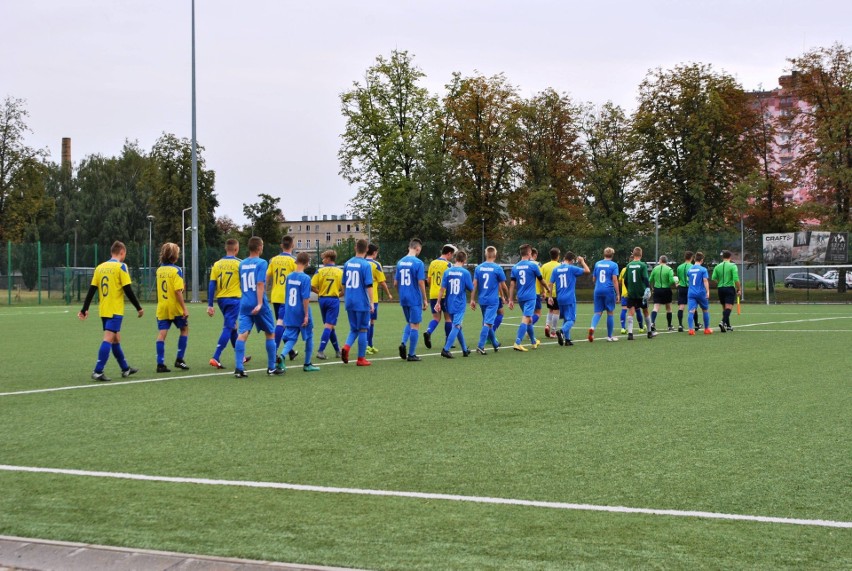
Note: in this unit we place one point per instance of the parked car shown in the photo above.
(833, 276)
(808, 280)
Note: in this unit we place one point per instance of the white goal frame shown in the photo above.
(799, 268)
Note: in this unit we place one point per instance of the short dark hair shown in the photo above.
(534, 251)
(726, 254)
(117, 247)
(415, 243)
(255, 244)
(372, 249)
(525, 250)
(688, 255)
(286, 242)
(329, 255)
(447, 250)
(570, 256)
(232, 243)
(303, 258)
(361, 246)
(699, 257)
(461, 256)
(554, 253)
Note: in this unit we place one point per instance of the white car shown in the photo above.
(833, 275)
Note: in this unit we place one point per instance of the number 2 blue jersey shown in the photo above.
(488, 277)
(565, 279)
(457, 283)
(357, 275)
(252, 272)
(526, 274)
(409, 271)
(696, 276)
(297, 290)
(603, 274)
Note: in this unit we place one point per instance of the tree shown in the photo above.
(389, 131)
(20, 172)
(610, 170)
(266, 218)
(824, 82)
(481, 118)
(547, 201)
(691, 127)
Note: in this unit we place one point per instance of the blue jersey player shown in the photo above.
(607, 293)
(358, 298)
(699, 293)
(410, 282)
(489, 280)
(525, 275)
(564, 280)
(455, 284)
(297, 312)
(255, 310)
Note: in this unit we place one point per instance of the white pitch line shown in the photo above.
(430, 496)
(4, 314)
(798, 330)
(794, 321)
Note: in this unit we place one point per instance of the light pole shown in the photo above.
(656, 235)
(76, 225)
(183, 239)
(195, 298)
(483, 238)
(150, 244)
(742, 256)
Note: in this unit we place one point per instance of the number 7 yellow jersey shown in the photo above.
(327, 281)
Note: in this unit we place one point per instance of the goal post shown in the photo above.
(808, 284)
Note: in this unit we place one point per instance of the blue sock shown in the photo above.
(406, 333)
(240, 353)
(639, 318)
(689, 320)
(350, 339)
(362, 344)
(566, 329)
(448, 326)
(370, 334)
(161, 352)
(522, 330)
(326, 335)
(224, 337)
(182, 341)
(706, 319)
(413, 337)
(595, 319)
(103, 355)
(493, 337)
(483, 335)
(535, 318)
(309, 349)
(288, 346)
(270, 353)
(623, 315)
(497, 321)
(451, 338)
(530, 333)
(279, 333)
(653, 317)
(333, 339)
(234, 336)
(460, 337)
(431, 327)
(610, 325)
(119, 356)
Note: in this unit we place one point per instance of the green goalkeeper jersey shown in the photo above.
(662, 277)
(726, 275)
(636, 278)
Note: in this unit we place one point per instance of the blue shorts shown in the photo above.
(568, 311)
(230, 308)
(432, 303)
(695, 301)
(458, 318)
(292, 333)
(374, 314)
(112, 323)
(358, 320)
(263, 321)
(489, 313)
(413, 314)
(623, 301)
(329, 309)
(604, 302)
(179, 322)
(528, 307)
(538, 302)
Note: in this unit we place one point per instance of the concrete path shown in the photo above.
(19, 553)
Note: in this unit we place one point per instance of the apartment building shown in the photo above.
(325, 231)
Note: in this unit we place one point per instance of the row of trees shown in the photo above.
(698, 152)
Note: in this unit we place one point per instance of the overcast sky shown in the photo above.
(269, 73)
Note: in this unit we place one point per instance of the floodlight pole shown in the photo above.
(742, 256)
(195, 298)
(150, 243)
(76, 225)
(656, 235)
(183, 238)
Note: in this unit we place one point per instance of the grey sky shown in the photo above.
(269, 73)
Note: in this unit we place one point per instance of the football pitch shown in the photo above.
(723, 451)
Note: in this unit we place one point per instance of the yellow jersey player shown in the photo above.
(111, 282)
(171, 308)
(379, 280)
(326, 283)
(224, 288)
(280, 267)
(552, 322)
(434, 275)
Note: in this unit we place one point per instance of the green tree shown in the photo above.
(609, 177)
(265, 220)
(825, 84)
(384, 150)
(481, 115)
(691, 127)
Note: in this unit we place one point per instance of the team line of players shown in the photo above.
(243, 290)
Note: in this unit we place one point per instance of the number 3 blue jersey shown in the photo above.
(357, 276)
(409, 271)
(488, 277)
(526, 274)
(457, 283)
(252, 272)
